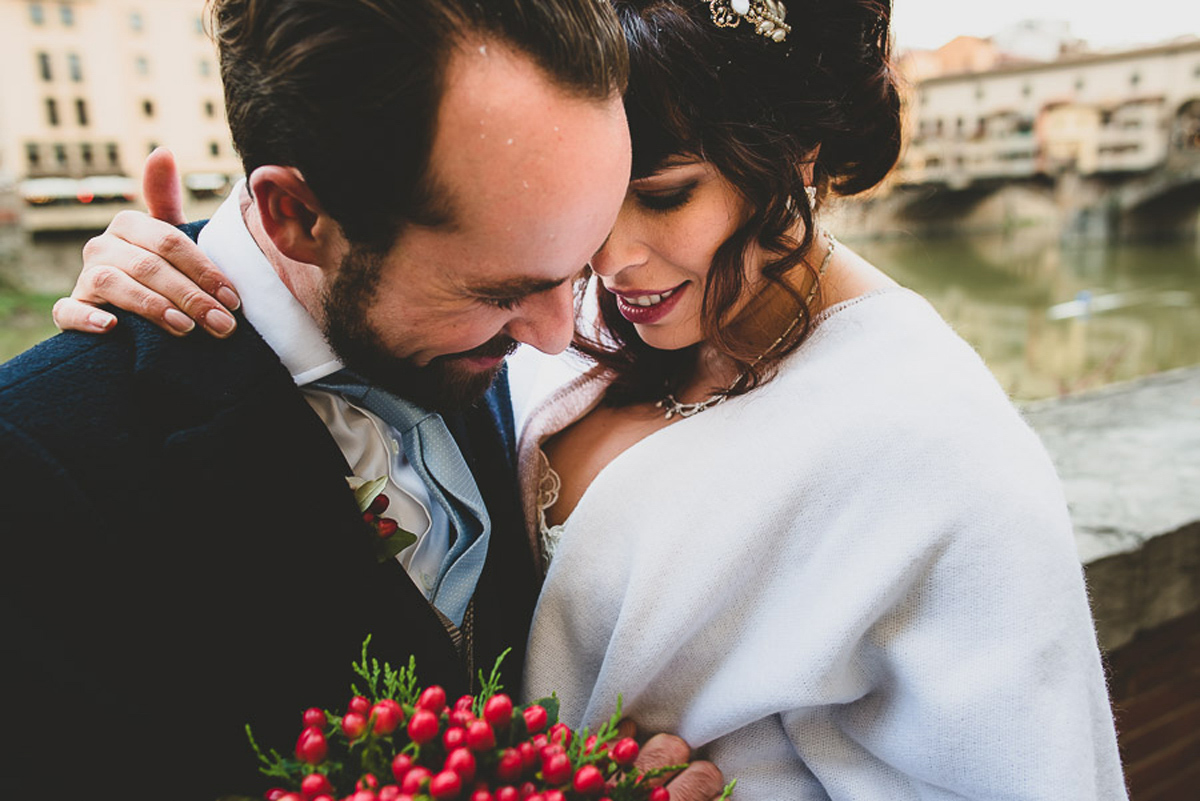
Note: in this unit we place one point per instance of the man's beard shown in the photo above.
(446, 383)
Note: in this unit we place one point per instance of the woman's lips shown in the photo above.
(647, 308)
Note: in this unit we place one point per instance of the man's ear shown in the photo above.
(292, 217)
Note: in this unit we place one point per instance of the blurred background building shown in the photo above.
(90, 87)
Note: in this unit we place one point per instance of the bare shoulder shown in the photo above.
(851, 276)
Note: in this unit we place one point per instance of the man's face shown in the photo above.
(534, 179)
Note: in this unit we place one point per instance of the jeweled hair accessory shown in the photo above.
(767, 16)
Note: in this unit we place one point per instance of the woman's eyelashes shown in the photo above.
(666, 199)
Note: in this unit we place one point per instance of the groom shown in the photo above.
(183, 555)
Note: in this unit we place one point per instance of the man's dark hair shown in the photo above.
(347, 91)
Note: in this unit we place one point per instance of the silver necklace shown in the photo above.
(672, 407)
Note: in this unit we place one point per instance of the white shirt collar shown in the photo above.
(268, 305)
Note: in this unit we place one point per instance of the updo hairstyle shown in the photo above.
(759, 111)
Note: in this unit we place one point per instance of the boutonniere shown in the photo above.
(372, 503)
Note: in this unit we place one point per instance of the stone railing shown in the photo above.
(1129, 458)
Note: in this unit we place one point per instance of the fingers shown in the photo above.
(104, 284)
(161, 189)
(149, 267)
(662, 750)
(699, 781)
(75, 315)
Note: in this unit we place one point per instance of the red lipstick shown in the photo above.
(648, 315)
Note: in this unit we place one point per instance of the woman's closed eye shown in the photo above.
(666, 199)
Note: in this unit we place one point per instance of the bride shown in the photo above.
(787, 512)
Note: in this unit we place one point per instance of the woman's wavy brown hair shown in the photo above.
(761, 112)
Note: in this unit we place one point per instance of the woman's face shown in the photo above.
(656, 260)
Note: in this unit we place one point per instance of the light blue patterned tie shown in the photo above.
(436, 457)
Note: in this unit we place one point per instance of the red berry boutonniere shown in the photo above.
(372, 503)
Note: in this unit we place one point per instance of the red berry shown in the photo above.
(275, 793)
(535, 718)
(560, 733)
(360, 705)
(422, 726)
(465, 703)
(389, 792)
(433, 699)
(291, 797)
(461, 718)
(480, 736)
(482, 795)
(322, 797)
(527, 789)
(364, 795)
(388, 716)
(314, 717)
(624, 751)
(315, 784)
(588, 780)
(547, 751)
(401, 765)
(660, 794)
(540, 740)
(354, 725)
(529, 754)
(368, 517)
(557, 769)
(446, 784)
(311, 747)
(498, 710)
(554, 795)
(534, 797)
(414, 779)
(367, 782)
(462, 762)
(379, 504)
(387, 527)
(507, 794)
(455, 737)
(510, 766)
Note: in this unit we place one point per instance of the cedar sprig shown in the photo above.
(491, 685)
(400, 685)
(274, 765)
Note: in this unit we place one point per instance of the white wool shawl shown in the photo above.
(858, 581)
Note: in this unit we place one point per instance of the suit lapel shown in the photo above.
(279, 511)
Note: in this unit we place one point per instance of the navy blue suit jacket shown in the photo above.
(181, 556)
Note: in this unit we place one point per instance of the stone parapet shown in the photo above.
(1129, 458)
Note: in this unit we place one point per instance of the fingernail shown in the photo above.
(101, 320)
(218, 322)
(179, 321)
(229, 298)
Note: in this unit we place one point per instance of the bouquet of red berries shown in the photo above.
(397, 742)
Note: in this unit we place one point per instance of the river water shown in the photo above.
(1048, 319)
(1052, 319)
